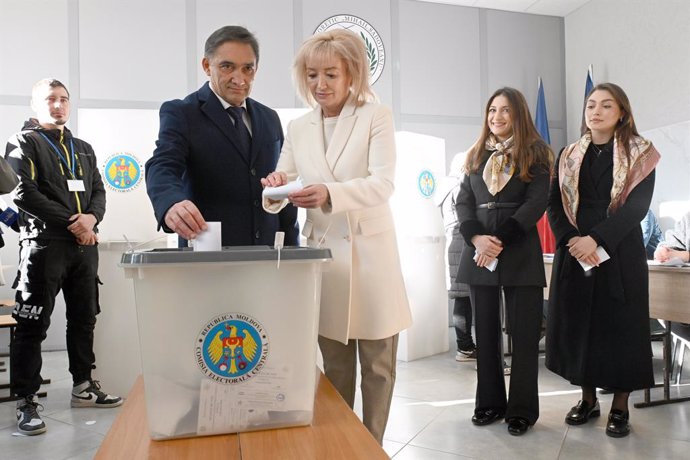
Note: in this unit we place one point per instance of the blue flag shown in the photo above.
(541, 120)
(589, 84)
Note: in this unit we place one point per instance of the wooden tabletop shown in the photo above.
(336, 433)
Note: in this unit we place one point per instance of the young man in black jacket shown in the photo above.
(61, 199)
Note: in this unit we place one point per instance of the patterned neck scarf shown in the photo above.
(627, 173)
(500, 167)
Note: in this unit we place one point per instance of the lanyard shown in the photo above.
(61, 156)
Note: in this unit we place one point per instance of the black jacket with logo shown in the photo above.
(43, 197)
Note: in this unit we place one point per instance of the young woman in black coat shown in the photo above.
(597, 335)
(501, 198)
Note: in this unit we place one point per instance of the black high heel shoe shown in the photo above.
(581, 413)
(618, 425)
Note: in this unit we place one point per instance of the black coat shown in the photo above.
(198, 158)
(598, 322)
(521, 261)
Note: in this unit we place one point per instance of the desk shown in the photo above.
(669, 300)
(336, 433)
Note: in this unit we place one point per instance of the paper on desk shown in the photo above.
(672, 262)
(603, 257)
(492, 266)
(281, 192)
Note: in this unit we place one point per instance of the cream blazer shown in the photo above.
(363, 294)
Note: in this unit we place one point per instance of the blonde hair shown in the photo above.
(338, 43)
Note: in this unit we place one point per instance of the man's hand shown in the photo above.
(82, 224)
(185, 219)
(87, 239)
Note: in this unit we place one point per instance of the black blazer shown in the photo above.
(197, 158)
(521, 261)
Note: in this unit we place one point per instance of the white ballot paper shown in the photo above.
(492, 266)
(281, 193)
(603, 256)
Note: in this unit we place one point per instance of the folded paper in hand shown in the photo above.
(603, 257)
(492, 266)
(280, 193)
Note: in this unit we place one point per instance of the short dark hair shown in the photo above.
(50, 82)
(230, 34)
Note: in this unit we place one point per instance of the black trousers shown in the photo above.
(524, 313)
(45, 268)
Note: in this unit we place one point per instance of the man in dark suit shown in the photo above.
(214, 147)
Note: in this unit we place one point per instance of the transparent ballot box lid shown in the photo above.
(228, 338)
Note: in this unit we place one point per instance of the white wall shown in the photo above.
(643, 46)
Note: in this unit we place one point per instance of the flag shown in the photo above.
(589, 84)
(541, 119)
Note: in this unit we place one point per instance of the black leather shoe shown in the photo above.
(483, 417)
(618, 425)
(517, 426)
(582, 413)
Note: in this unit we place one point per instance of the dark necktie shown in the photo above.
(243, 136)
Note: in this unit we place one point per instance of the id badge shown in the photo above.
(76, 185)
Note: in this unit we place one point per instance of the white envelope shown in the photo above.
(492, 266)
(603, 256)
(281, 193)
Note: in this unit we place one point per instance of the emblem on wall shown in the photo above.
(122, 172)
(426, 183)
(372, 40)
(231, 348)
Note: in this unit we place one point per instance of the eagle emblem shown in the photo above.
(122, 172)
(231, 351)
(232, 348)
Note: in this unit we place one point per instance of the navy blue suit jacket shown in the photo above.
(198, 158)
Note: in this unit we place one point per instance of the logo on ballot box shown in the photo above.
(231, 348)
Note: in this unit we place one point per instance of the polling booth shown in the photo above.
(228, 338)
(123, 140)
(421, 162)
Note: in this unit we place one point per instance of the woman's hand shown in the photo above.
(275, 179)
(664, 254)
(311, 196)
(487, 245)
(584, 248)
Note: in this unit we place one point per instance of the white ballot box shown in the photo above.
(228, 338)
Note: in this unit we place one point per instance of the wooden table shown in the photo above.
(669, 300)
(336, 433)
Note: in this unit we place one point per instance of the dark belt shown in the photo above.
(495, 205)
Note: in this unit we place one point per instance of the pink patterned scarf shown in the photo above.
(626, 174)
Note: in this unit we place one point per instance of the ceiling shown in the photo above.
(546, 7)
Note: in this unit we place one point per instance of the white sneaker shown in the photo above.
(89, 394)
(28, 420)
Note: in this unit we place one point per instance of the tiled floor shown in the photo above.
(430, 420)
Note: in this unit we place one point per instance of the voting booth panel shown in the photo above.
(421, 243)
(228, 338)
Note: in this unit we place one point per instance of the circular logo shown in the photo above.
(231, 348)
(426, 184)
(122, 172)
(372, 40)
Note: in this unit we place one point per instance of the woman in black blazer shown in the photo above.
(502, 196)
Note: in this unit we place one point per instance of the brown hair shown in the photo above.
(340, 43)
(529, 149)
(625, 129)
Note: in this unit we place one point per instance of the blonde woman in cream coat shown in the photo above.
(344, 153)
